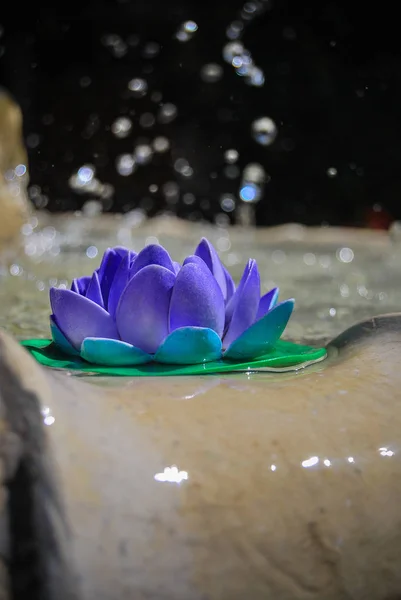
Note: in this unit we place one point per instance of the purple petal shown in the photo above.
(93, 292)
(245, 303)
(267, 302)
(230, 284)
(232, 304)
(194, 259)
(197, 300)
(80, 285)
(123, 251)
(120, 281)
(142, 313)
(78, 317)
(110, 262)
(208, 254)
(59, 338)
(152, 255)
(176, 266)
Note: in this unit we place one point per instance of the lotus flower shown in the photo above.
(138, 308)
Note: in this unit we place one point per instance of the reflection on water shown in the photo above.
(335, 282)
(171, 475)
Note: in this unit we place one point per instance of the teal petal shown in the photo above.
(189, 346)
(260, 338)
(103, 351)
(60, 340)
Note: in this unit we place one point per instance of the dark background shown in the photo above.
(332, 86)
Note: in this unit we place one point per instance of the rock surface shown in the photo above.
(289, 484)
(34, 551)
(14, 205)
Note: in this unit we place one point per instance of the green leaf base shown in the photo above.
(286, 356)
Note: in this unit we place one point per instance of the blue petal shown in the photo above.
(142, 313)
(102, 351)
(197, 300)
(176, 266)
(267, 302)
(245, 302)
(80, 285)
(152, 255)
(110, 263)
(189, 346)
(93, 292)
(206, 251)
(229, 284)
(123, 252)
(197, 260)
(261, 337)
(60, 340)
(78, 317)
(120, 282)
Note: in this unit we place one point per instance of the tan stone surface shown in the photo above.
(14, 206)
(252, 519)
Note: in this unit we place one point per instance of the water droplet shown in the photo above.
(227, 202)
(147, 120)
(33, 140)
(345, 255)
(85, 174)
(92, 252)
(171, 192)
(156, 96)
(232, 50)
(188, 199)
(234, 30)
(181, 165)
(16, 270)
(125, 164)
(310, 462)
(254, 172)
(249, 10)
(190, 26)
(167, 113)
(115, 44)
(250, 192)
(186, 31)
(231, 171)
(161, 144)
(138, 87)
(20, 170)
(255, 76)
(231, 156)
(211, 72)
(150, 50)
(309, 259)
(121, 127)
(264, 131)
(143, 154)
